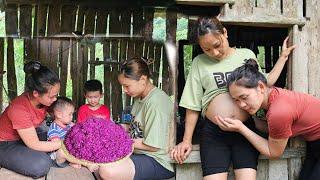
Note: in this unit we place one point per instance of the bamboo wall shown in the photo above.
(47, 38)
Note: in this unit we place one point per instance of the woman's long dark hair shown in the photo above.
(39, 77)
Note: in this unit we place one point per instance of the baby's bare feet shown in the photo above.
(77, 166)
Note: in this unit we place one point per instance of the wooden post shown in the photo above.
(171, 24)
(82, 70)
(125, 26)
(107, 74)
(1, 70)
(157, 57)
(116, 97)
(64, 61)
(74, 73)
(11, 78)
(299, 64)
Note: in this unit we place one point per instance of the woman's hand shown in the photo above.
(286, 50)
(181, 151)
(228, 124)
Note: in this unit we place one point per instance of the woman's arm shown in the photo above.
(183, 149)
(138, 144)
(272, 148)
(276, 70)
(30, 138)
(190, 124)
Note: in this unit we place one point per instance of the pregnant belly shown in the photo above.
(224, 106)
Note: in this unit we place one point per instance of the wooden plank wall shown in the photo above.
(70, 56)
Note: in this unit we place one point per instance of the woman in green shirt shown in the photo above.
(153, 115)
(205, 91)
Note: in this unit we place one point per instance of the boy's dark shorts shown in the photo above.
(148, 168)
(218, 149)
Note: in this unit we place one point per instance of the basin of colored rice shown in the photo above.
(97, 141)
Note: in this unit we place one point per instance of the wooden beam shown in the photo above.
(96, 3)
(263, 21)
(259, 17)
(205, 2)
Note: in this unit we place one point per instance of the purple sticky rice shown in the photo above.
(99, 141)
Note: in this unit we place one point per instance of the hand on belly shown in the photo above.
(224, 106)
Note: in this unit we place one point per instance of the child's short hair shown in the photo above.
(60, 103)
(92, 85)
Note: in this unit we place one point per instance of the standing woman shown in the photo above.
(205, 91)
(289, 114)
(153, 115)
(22, 150)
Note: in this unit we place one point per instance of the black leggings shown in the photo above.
(311, 166)
(218, 149)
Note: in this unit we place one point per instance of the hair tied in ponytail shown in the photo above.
(37, 66)
(251, 64)
(32, 67)
(147, 61)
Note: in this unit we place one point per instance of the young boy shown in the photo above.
(93, 94)
(62, 110)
